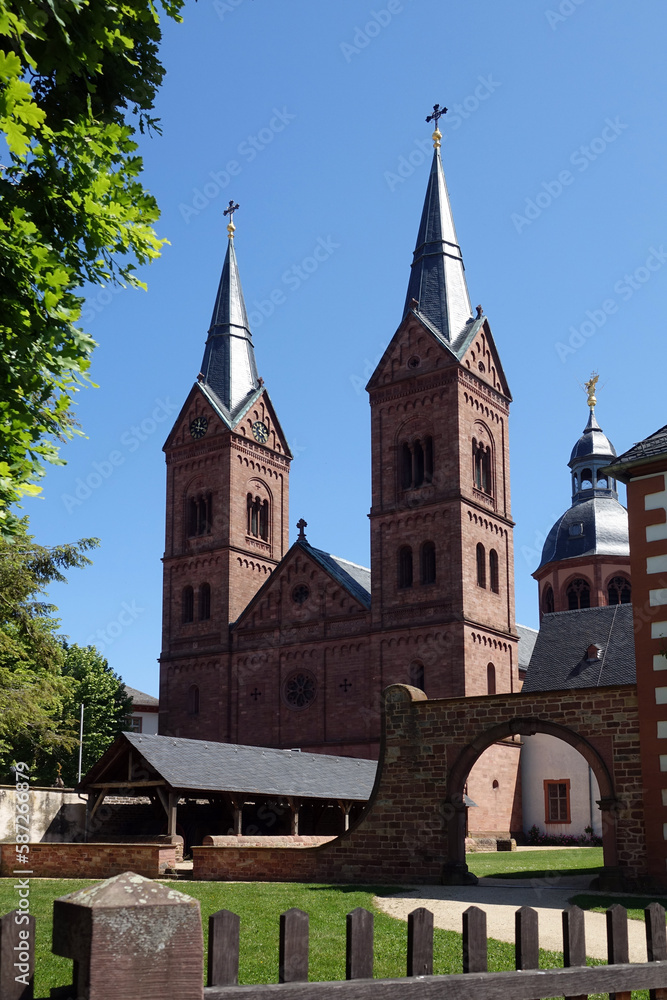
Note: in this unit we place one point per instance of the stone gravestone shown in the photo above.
(131, 937)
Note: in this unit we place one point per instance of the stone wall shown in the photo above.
(56, 814)
(91, 860)
(414, 825)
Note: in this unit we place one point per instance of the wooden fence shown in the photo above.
(143, 981)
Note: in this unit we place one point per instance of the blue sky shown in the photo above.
(311, 116)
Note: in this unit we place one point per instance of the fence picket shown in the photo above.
(656, 941)
(527, 944)
(420, 942)
(618, 951)
(474, 940)
(574, 942)
(293, 947)
(359, 954)
(223, 948)
(17, 940)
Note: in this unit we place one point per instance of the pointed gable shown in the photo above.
(477, 351)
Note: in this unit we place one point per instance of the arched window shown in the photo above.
(417, 674)
(603, 482)
(187, 605)
(428, 460)
(418, 456)
(493, 571)
(258, 517)
(587, 479)
(481, 458)
(428, 562)
(204, 602)
(406, 466)
(619, 590)
(490, 679)
(481, 565)
(578, 595)
(199, 515)
(548, 600)
(193, 700)
(405, 566)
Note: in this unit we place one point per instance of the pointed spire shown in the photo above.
(437, 279)
(229, 367)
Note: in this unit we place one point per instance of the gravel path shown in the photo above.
(501, 898)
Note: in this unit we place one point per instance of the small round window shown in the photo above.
(300, 594)
(414, 361)
(299, 689)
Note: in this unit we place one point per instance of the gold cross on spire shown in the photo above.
(438, 112)
(231, 208)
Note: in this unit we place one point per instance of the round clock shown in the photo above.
(260, 432)
(198, 427)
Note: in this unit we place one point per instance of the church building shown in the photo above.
(290, 647)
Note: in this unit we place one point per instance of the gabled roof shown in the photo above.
(649, 450)
(139, 697)
(560, 660)
(355, 579)
(204, 766)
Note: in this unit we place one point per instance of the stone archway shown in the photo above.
(456, 870)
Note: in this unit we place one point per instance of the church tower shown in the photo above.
(227, 513)
(442, 569)
(586, 557)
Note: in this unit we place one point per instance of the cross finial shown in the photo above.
(438, 112)
(231, 208)
(301, 524)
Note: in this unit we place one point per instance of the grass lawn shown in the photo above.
(536, 864)
(259, 906)
(635, 905)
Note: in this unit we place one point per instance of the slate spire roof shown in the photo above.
(229, 368)
(437, 280)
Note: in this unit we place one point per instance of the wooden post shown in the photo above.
(345, 808)
(294, 806)
(223, 948)
(359, 951)
(574, 942)
(420, 942)
(474, 940)
(171, 815)
(17, 956)
(527, 945)
(132, 937)
(656, 941)
(293, 947)
(618, 952)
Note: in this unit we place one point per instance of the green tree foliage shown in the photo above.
(35, 693)
(106, 706)
(77, 79)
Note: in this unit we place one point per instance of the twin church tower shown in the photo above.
(289, 646)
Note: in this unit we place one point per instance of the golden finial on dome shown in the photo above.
(590, 389)
(438, 112)
(231, 208)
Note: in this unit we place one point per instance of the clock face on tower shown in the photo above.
(260, 432)
(198, 427)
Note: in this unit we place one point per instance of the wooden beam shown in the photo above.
(97, 802)
(126, 784)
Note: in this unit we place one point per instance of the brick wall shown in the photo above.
(411, 828)
(91, 860)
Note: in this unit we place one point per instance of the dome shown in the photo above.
(594, 527)
(593, 443)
